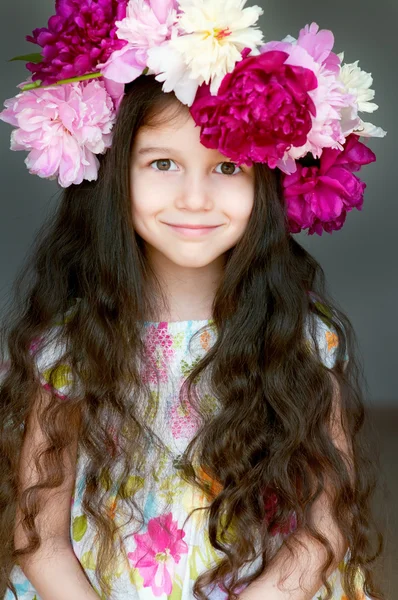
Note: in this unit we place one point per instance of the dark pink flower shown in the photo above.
(319, 197)
(81, 35)
(262, 108)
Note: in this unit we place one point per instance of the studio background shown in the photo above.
(359, 260)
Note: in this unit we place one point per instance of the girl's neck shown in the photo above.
(189, 291)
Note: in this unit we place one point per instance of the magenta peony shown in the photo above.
(262, 108)
(63, 128)
(79, 36)
(313, 50)
(319, 197)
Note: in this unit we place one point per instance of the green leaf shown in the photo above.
(79, 527)
(133, 484)
(87, 560)
(36, 57)
(324, 309)
(176, 593)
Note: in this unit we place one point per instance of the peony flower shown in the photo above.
(170, 68)
(148, 23)
(357, 83)
(79, 36)
(313, 50)
(63, 128)
(206, 45)
(262, 108)
(319, 197)
(116, 91)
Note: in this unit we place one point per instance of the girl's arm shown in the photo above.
(53, 569)
(299, 578)
(56, 574)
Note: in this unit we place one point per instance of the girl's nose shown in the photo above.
(196, 194)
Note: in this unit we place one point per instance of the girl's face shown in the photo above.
(175, 180)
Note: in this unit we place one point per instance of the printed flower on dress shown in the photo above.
(63, 128)
(319, 197)
(262, 109)
(157, 553)
(79, 36)
(205, 45)
(159, 352)
(183, 420)
(286, 528)
(332, 340)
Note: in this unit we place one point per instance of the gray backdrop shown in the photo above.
(359, 260)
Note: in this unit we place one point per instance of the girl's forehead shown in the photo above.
(180, 133)
(168, 121)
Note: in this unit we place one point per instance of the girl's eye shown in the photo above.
(227, 168)
(164, 163)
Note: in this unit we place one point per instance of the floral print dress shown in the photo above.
(155, 564)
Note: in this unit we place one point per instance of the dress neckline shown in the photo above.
(178, 324)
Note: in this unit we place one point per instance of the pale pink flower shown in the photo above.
(63, 128)
(157, 553)
(148, 23)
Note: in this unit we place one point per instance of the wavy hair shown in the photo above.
(271, 437)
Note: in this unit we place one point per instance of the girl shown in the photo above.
(181, 409)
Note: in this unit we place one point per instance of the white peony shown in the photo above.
(357, 83)
(205, 45)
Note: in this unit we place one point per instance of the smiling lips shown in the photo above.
(191, 226)
(192, 230)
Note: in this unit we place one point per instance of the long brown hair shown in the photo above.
(271, 436)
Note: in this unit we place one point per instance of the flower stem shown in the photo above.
(37, 84)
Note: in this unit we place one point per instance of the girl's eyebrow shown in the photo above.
(156, 149)
(152, 149)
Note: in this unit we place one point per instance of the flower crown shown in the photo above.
(291, 104)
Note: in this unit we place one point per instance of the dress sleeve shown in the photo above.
(46, 351)
(328, 341)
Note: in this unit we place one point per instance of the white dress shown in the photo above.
(160, 565)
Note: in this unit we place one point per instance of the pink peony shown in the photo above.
(148, 23)
(319, 44)
(63, 128)
(79, 36)
(319, 197)
(262, 108)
